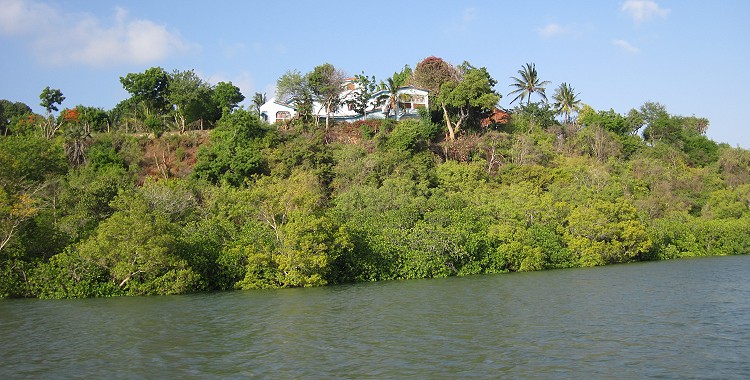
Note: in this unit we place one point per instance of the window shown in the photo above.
(283, 115)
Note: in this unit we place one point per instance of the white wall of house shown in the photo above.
(273, 111)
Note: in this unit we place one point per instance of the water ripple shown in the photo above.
(674, 320)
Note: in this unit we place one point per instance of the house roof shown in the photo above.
(274, 101)
(398, 89)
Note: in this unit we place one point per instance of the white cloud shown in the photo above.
(552, 30)
(61, 38)
(460, 25)
(644, 10)
(20, 16)
(625, 46)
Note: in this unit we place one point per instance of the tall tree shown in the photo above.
(95, 119)
(189, 95)
(403, 77)
(8, 111)
(259, 99)
(528, 84)
(326, 83)
(125, 114)
(149, 88)
(431, 73)
(51, 98)
(566, 101)
(293, 88)
(471, 96)
(658, 122)
(227, 96)
(364, 89)
(391, 98)
(652, 111)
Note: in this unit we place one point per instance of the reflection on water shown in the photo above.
(677, 319)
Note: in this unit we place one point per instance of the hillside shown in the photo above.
(251, 205)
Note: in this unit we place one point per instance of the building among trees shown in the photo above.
(399, 103)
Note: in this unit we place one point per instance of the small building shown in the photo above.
(275, 112)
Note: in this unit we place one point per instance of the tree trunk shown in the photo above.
(182, 124)
(128, 277)
(8, 236)
(451, 131)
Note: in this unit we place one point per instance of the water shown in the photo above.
(679, 319)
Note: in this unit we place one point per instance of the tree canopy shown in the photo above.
(326, 83)
(149, 88)
(51, 98)
(471, 97)
(432, 72)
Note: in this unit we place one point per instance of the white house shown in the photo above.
(410, 100)
(274, 112)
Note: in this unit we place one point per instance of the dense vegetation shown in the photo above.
(92, 206)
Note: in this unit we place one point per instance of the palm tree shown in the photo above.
(77, 140)
(391, 99)
(528, 84)
(566, 101)
(259, 99)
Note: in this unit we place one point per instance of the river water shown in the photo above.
(677, 319)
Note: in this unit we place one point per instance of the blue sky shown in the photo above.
(692, 56)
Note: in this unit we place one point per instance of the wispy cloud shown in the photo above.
(625, 46)
(60, 38)
(468, 15)
(232, 50)
(644, 10)
(552, 30)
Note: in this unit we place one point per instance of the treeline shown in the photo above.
(303, 205)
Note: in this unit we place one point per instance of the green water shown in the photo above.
(678, 319)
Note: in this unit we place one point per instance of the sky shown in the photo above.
(692, 56)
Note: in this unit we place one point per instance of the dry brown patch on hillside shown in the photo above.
(171, 154)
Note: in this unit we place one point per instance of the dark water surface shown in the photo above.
(677, 319)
